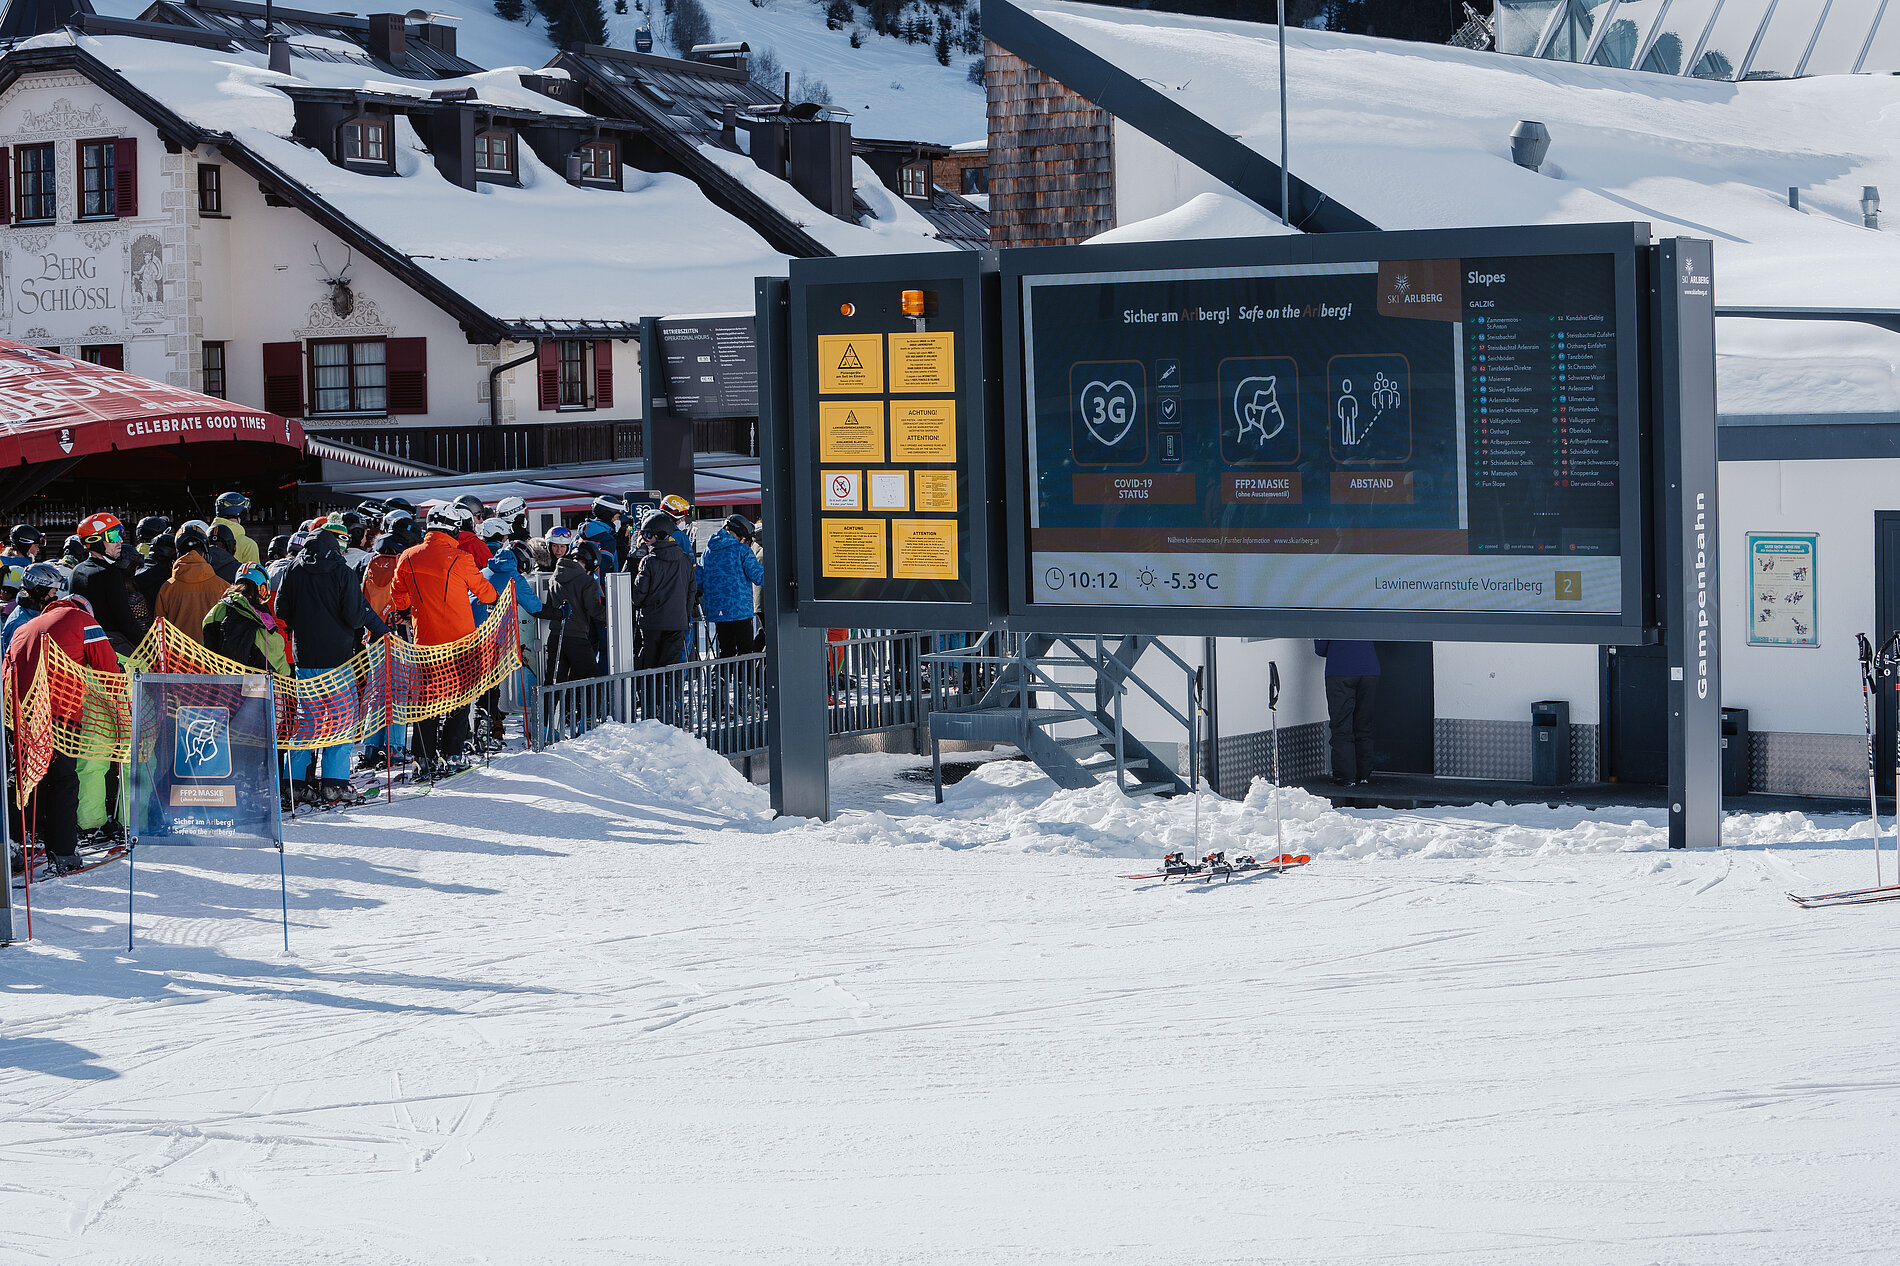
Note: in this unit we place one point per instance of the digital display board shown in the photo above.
(1446, 438)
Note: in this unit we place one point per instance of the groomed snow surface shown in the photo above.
(596, 1005)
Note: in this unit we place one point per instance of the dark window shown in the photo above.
(914, 181)
(349, 377)
(98, 183)
(210, 189)
(111, 355)
(38, 197)
(495, 153)
(577, 373)
(597, 161)
(976, 180)
(365, 141)
(214, 365)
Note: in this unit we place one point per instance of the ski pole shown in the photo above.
(1273, 713)
(1867, 715)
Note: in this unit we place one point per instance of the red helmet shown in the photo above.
(94, 528)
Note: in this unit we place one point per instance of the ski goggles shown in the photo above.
(113, 535)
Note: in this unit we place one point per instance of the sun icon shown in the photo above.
(1146, 579)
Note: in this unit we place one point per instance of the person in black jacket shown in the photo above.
(663, 593)
(575, 607)
(222, 553)
(155, 569)
(104, 579)
(322, 602)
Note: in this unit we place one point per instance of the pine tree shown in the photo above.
(510, 10)
(574, 21)
(943, 45)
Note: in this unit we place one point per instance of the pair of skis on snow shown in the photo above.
(1873, 666)
(1216, 865)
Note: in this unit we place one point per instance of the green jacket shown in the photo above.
(237, 630)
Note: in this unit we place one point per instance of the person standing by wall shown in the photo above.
(1352, 684)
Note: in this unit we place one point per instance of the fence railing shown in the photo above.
(878, 683)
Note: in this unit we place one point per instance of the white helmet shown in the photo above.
(493, 530)
(510, 508)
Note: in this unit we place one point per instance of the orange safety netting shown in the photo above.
(77, 711)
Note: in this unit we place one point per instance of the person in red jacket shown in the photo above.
(68, 624)
(434, 581)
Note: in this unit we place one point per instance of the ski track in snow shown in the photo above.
(594, 1005)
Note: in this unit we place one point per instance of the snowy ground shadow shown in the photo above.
(52, 1057)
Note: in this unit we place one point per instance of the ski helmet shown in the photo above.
(510, 508)
(473, 504)
(231, 504)
(12, 579)
(587, 554)
(658, 524)
(400, 503)
(194, 535)
(44, 577)
(607, 505)
(224, 538)
(24, 535)
(395, 518)
(740, 526)
(279, 547)
(153, 526)
(493, 530)
(445, 519)
(677, 506)
(97, 529)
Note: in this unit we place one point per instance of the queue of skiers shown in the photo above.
(308, 601)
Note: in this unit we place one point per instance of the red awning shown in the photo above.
(53, 408)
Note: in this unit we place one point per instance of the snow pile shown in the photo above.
(1205, 215)
(1011, 806)
(648, 761)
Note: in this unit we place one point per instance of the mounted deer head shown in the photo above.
(342, 298)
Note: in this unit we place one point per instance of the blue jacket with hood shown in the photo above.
(727, 577)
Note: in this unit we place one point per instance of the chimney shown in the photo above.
(729, 127)
(389, 38)
(439, 36)
(821, 165)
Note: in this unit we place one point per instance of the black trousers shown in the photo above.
(660, 647)
(571, 659)
(443, 737)
(734, 637)
(53, 809)
(1349, 707)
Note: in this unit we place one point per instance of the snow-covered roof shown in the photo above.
(544, 251)
(1415, 136)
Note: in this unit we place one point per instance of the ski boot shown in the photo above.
(1177, 864)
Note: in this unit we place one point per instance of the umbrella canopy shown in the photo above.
(55, 409)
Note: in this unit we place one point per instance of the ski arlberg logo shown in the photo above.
(1108, 410)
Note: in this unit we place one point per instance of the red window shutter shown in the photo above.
(6, 184)
(125, 172)
(112, 356)
(603, 373)
(548, 370)
(408, 364)
(283, 378)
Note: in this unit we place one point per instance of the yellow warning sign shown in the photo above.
(924, 549)
(924, 431)
(850, 364)
(851, 431)
(852, 547)
(936, 491)
(923, 362)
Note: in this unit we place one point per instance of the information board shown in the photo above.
(204, 767)
(1433, 438)
(711, 366)
(1783, 578)
(888, 436)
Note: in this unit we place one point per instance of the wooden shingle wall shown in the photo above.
(1052, 158)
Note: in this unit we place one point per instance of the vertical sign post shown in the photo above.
(667, 438)
(6, 847)
(797, 719)
(1683, 327)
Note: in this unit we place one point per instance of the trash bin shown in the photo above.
(1734, 751)
(1550, 743)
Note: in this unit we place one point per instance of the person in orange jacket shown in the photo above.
(68, 624)
(434, 581)
(187, 598)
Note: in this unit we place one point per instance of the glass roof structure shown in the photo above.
(1707, 39)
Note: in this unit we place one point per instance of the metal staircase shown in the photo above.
(1060, 699)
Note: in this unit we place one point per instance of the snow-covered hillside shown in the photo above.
(896, 90)
(593, 1005)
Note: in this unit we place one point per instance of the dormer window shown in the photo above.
(495, 154)
(914, 182)
(599, 163)
(364, 142)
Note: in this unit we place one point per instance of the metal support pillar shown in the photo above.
(798, 720)
(1682, 330)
